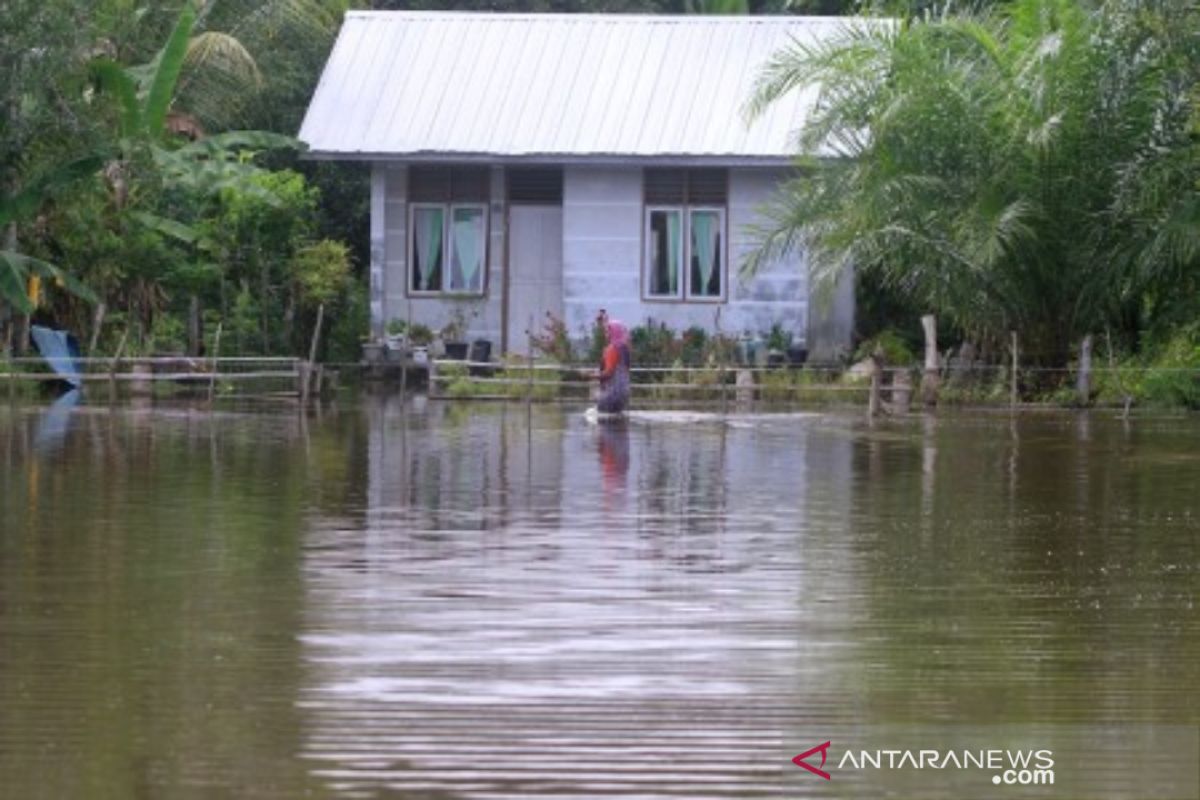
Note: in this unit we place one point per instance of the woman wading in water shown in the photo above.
(614, 369)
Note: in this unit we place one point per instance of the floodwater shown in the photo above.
(484, 601)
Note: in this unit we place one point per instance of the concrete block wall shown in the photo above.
(389, 262)
(603, 217)
(603, 220)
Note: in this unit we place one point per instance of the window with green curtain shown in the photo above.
(428, 224)
(666, 248)
(467, 249)
(705, 259)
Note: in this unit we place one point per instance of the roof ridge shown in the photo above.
(705, 19)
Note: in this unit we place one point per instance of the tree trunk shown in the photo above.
(195, 331)
(289, 322)
(19, 322)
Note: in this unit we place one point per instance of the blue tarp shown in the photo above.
(59, 350)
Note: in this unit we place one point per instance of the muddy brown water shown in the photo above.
(482, 601)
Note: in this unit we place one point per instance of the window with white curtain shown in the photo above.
(684, 234)
(447, 230)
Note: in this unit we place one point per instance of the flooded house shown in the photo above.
(525, 165)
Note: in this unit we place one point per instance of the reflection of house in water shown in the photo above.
(539, 605)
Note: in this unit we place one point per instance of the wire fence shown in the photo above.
(826, 384)
(675, 384)
(159, 374)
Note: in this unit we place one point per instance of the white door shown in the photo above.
(535, 271)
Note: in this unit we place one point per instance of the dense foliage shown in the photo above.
(1034, 168)
(1031, 166)
(143, 182)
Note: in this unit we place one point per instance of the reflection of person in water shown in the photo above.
(614, 454)
(614, 370)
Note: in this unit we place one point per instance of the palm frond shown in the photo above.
(25, 203)
(226, 55)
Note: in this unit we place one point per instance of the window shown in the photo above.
(685, 234)
(448, 230)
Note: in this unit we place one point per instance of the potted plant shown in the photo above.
(372, 351)
(452, 335)
(778, 342)
(420, 337)
(397, 330)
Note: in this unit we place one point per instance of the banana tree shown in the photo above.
(154, 161)
(144, 97)
(17, 268)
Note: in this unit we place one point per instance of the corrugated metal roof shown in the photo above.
(402, 84)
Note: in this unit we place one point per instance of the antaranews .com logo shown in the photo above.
(1008, 767)
(993, 762)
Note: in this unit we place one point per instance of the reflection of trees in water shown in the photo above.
(681, 493)
(150, 589)
(1029, 570)
(458, 467)
(596, 621)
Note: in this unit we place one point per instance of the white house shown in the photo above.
(533, 163)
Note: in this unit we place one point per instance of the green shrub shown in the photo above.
(779, 339)
(420, 335)
(1173, 377)
(654, 346)
(896, 352)
(321, 272)
(168, 334)
(693, 346)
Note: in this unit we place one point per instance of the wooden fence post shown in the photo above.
(874, 402)
(216, 364)
(1015, 361)
(901, 391)
(8, 354)
(1083, 383)
(116, 361)
(931, 377)
(97, 323)
(309, 368)
(529, 379)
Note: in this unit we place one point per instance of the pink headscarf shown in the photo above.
(617, 334)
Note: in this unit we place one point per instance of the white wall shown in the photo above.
(602, 264)
(483, 314)
(602, 239)
(602, 257)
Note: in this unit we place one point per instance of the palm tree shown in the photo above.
(976, 163)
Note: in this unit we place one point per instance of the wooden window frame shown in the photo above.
(648, 257)
(447, 210)
(685, 295)
(722, 251)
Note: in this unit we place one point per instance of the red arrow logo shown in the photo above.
(800, 762)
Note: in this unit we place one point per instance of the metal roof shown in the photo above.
(554, 87)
